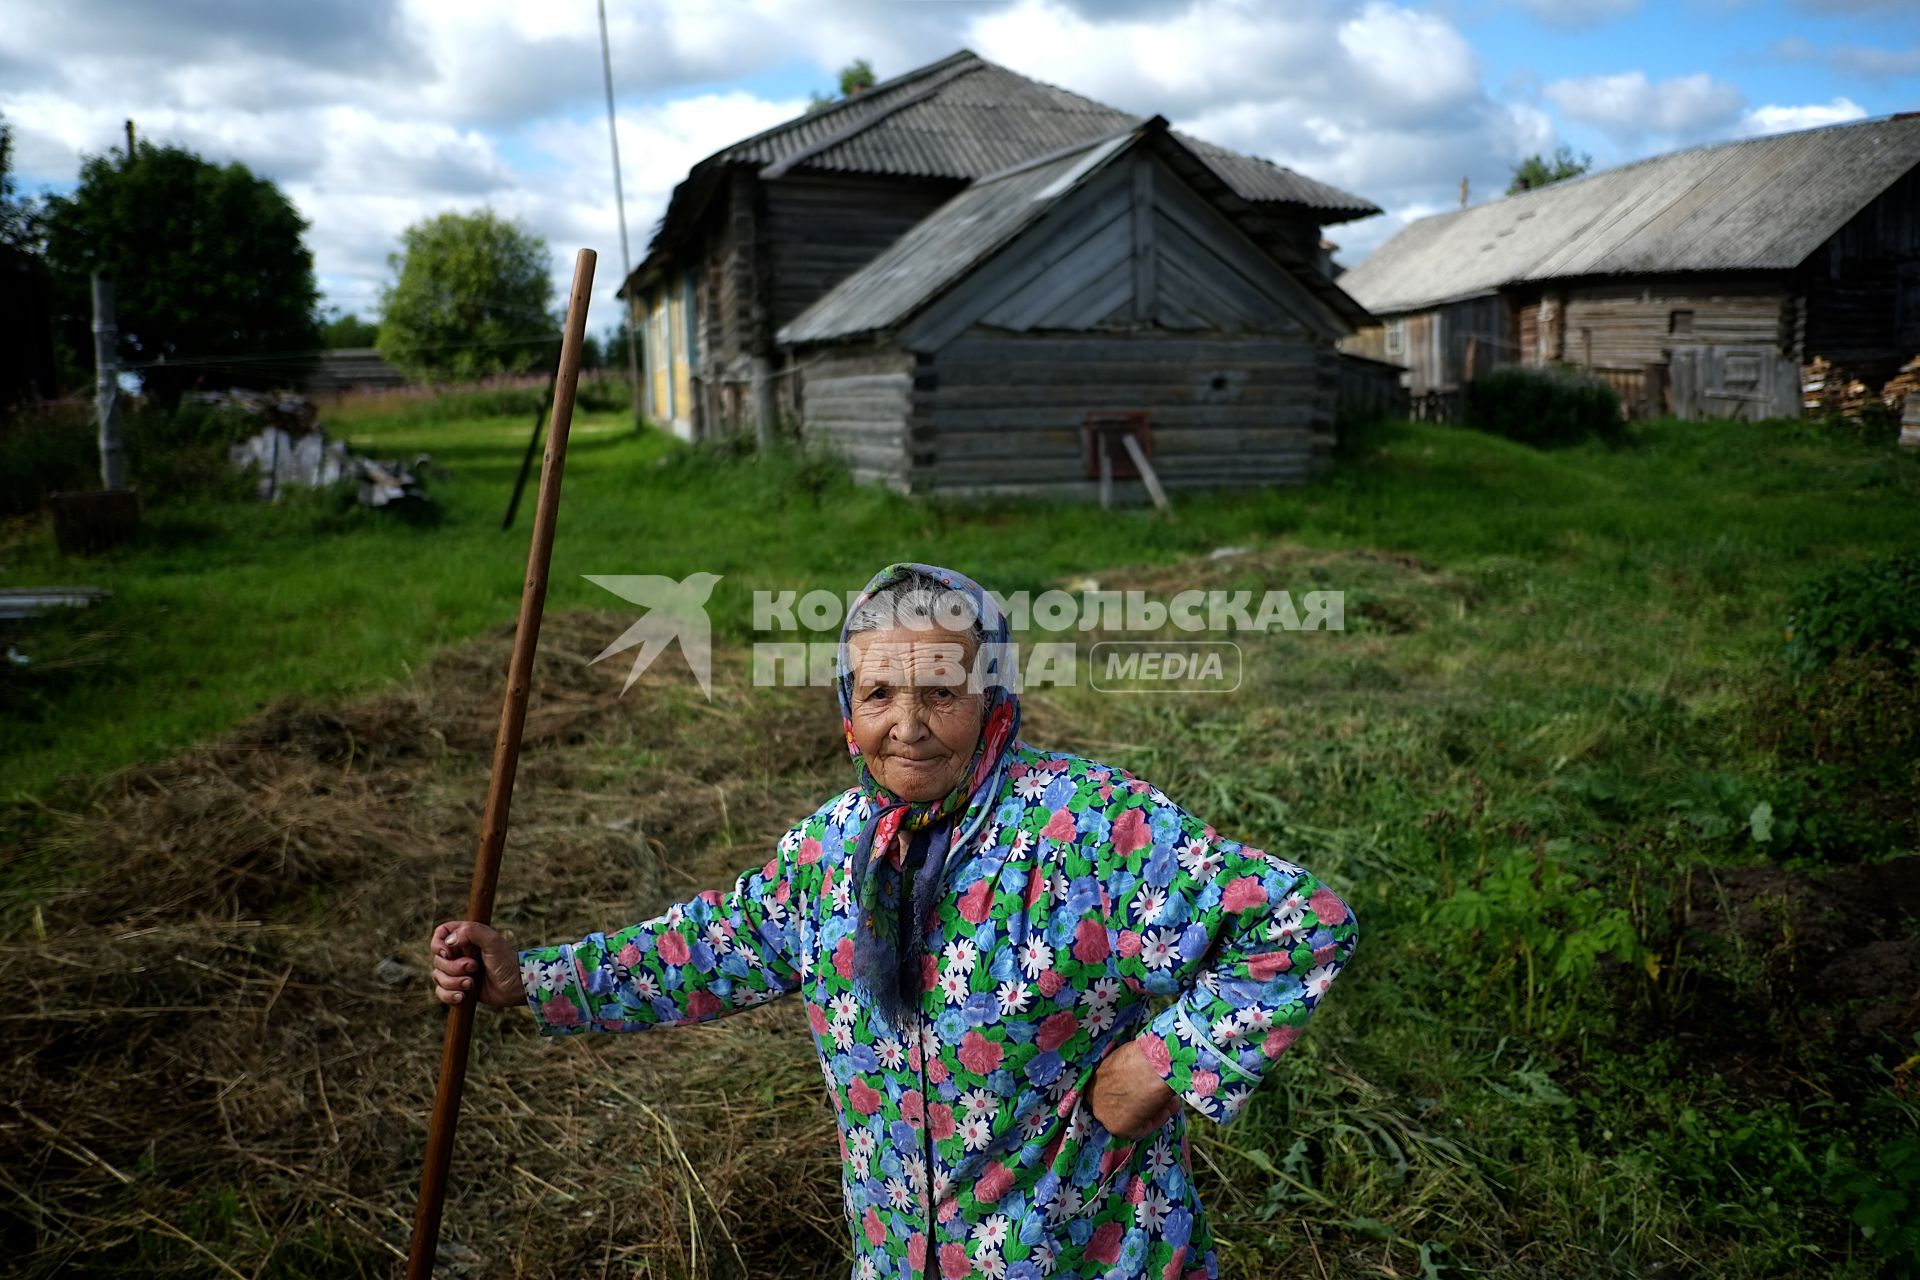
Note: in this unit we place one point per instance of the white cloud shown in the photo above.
(373, 114)
(1631, 107)
(1778, 119)
(1386, 102)
(1414, 63)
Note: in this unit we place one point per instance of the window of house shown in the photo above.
(1680, 322)
(1396, 337)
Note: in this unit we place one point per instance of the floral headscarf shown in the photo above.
(886, 944)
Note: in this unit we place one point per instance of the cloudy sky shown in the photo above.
(374, 113)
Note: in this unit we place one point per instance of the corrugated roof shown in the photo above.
(964, 118)
(1760, 204)
(940, 249)
(971, 227)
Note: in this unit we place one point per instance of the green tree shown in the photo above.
(1537, 171)
(213, 284)
(347, 330)
(856, 77)
(19, 220)
(471, 296)
(27, 364)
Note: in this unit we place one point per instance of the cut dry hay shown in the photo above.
(220, 1054)
(220, 1050)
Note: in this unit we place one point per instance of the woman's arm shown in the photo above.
(1246, 942)
(712, 955)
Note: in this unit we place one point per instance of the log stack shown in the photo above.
(1826, 389)
(1904, 384)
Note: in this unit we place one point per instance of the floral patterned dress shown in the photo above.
(969, 1148)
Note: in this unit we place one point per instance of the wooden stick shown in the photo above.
(526, 459)
(506, 759)
(1148, 475)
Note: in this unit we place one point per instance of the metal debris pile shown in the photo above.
(291, 450)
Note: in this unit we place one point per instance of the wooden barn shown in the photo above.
(1699, 282)
(1119, 282)
(763, 230)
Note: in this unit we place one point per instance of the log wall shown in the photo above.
(1627, 326)
(997, 413)
(1862, 289)
(857, 402)
(819, 230)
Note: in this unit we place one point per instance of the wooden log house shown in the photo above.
(762, 232)
(1116, 279)
(1698, 283)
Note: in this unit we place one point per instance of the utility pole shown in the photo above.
(620, 206)
(106, 385)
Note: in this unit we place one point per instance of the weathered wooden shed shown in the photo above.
(1120, 278)
(762, 229)
(1715, 272)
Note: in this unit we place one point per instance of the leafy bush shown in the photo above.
(1552, 406)
(54, 448)
(1536, 923)
(180, 451)
(44, 448)
(1843, 718)
(1849, 738)
(1882, 1187)
(1871, 607)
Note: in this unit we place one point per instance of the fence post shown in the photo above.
(106, 385)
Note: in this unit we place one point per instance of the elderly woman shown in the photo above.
(979, 928)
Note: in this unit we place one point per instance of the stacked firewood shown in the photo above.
(1904, 384)
(1827, 390)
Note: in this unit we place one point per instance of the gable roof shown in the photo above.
(960, 119)
(964, 233)
(1761, 204)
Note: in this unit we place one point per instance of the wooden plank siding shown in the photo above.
(998, 413)
(1085, 263)
(1628, 326)
(819, 230)
(1861, 289)
(856, 402)
(1132, 293)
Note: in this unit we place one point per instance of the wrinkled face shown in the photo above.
(913, 717)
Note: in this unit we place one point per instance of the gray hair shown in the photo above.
(918, 602)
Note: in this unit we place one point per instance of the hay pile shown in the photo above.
(220, 1047)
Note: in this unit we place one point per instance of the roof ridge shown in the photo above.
(853, 129)
(1061, 153)
(1725, 144)
(1048, 84)
(1749, 204)
(865, 97)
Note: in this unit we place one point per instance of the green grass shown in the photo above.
(1639, 559)
(1538, 730)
